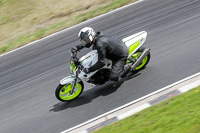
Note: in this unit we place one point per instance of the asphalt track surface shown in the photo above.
(29, 76)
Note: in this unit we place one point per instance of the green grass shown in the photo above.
(23, 21)
(180, 114)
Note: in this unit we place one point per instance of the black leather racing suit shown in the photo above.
(110, 48)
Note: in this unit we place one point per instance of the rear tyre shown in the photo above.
(63, 92)
(145, 60)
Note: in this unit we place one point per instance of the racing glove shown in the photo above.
(74, 49)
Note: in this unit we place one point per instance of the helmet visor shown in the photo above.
(86, 40)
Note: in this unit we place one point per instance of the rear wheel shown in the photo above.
(145, 60)
(63, 92)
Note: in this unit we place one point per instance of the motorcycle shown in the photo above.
(72, 86)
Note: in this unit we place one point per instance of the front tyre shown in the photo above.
(63, 92)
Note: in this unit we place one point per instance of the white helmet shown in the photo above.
(87, 35)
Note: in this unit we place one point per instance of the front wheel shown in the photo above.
(63, 92)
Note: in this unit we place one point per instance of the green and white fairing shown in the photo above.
(89, 60)
(86, 61)
(134, 42)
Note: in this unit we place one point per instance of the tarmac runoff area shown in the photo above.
(137, 105)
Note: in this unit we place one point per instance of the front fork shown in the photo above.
(75, 81)
(73, 85)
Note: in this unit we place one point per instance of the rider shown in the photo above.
(107, 47)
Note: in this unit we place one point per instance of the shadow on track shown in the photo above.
(87, 96)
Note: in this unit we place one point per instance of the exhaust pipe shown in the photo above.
(140, 59)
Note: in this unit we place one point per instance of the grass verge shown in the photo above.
(23, 21)
(180, 114)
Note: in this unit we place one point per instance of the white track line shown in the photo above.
(133, 111)
(189, 87)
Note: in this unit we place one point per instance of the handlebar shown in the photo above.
(74, 50)
(75, 59)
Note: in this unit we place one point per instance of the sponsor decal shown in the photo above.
(141, 40)
(92, 55)
(86, 58)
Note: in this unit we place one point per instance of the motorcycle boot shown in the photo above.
(127, 69)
